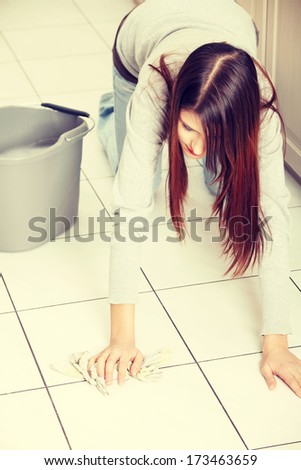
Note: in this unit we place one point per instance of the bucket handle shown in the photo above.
(74, 112)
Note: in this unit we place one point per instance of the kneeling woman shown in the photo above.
(185, 72)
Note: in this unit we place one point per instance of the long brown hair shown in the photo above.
(219, 82)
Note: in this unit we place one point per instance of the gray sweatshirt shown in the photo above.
(178, 27)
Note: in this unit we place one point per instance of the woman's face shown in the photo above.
(191, 134)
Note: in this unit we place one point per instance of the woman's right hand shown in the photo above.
(120, 352)
(122, 349)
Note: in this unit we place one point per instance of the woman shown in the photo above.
(184, 73)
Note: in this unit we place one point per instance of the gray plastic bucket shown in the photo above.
(40, 159)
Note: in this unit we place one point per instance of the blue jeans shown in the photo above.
(111, 127)
(208, 177)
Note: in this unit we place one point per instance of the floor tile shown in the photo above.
(263, 417)
(13, 82)
(17, 364)
(60, 288)
(85, 326)
(35, 14)
(59, 41)
(6, 54)
(178, 412)
(60, 271)
(224, 318)
(192, 261)
(70, 74)
(28, 422)
(294, 188)
(5, 303)
(104, 10)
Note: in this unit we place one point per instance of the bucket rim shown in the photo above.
(65, 139)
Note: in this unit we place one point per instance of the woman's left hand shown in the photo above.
(278, 360)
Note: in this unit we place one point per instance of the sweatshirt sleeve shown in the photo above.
(133, 189)
(274, 198)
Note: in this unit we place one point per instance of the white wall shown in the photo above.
(279, 23)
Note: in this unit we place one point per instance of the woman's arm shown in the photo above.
(274, 271)
(122, 348)
(274, 199)
(133, 197)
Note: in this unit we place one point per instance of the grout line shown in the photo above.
(151, 290)
(216, 282)
(194, 284)
(173, 366)
(67, 303)
(234, 356)
(295, 284)
(81, 381)
(14, 392)
(60, 304)
(37, 364)
(198, 365)
(276, 445)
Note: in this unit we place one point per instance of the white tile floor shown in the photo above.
(53, 298)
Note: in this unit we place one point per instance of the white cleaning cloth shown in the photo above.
(77, 367)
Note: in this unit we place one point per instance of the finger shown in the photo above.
(109, 367)
(100, 365)
(268, 375)
(122, 370)
(91, 362)
(292, 382)
(136, 364)
(291, 375)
